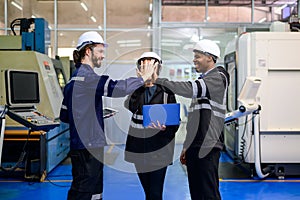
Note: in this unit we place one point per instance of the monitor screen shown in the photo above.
(249, 91)
(22, 88)
(285, 13)
(60, 74)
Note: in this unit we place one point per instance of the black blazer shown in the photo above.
(144, 145)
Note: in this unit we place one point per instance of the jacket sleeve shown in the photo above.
(121, 88)
(63, 116)
(184, 89)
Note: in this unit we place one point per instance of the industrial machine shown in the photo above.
(268, 138)
(34, 141)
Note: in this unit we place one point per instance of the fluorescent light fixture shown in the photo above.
(49, 27)
(150, 7)
(83, 5)
(128, 41)
(188, 46)
(93, 18)
(149, 19)
(16, 5)
(171, 40)
(100, 27)
(131, 45)
(170, 44)
(33, 16)
(278, 9)
(262, 20)
(194, 38)
(283, 6)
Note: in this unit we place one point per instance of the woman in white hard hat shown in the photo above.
(82, 108)
(151, 149)
(204, 139)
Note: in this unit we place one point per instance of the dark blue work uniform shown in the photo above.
(82, 108)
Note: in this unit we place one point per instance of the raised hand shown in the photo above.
(146, 70)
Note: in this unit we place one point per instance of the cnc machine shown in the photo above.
(273, 57)
(34, 140)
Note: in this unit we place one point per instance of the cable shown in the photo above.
(13, 24)
(243, 142)
(21, 158)
(55, 184)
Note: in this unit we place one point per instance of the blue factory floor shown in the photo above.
(121, 184)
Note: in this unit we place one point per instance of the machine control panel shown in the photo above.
(32, 119)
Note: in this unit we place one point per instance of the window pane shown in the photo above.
(127, 46)
(87, 14)
(128, 14)
(177, 43)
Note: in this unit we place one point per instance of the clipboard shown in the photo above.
(166, 114)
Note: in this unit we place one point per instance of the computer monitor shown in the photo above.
(249, 91)
(286, 13)
(22, 88)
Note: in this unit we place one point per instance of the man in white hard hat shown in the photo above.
(151, 150)
(82, 108)
(204, 139)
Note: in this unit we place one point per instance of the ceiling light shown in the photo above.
(194, 38)
(100, 27)
(170, 44)
(93, 18)
(171, 40)
(131, 45)
(150, 7)
(83, 5)
(149, 19)
(262, 20)
(16, 5)
(128, 41)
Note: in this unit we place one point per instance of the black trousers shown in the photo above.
(203, 174)
(87, 172)
(152, 182)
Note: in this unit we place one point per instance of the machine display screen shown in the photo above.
(22, 88)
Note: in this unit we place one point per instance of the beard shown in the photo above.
(95, 62)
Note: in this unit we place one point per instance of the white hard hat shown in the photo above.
(208, 46)
(149, 55)
(90, 37)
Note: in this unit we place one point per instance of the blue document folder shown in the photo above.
(166, 114)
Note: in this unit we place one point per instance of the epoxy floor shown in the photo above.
(120, 183)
